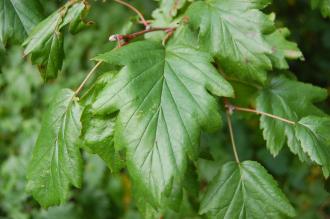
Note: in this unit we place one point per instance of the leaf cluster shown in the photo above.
(147, 114)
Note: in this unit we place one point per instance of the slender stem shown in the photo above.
(232, 135)
(145, 23)
(142, 32)
(263, 113)
(128, 37)
(131, 36)
(87, 77)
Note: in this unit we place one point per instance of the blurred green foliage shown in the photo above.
(23, 96)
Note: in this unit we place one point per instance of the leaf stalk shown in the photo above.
(81, 86)
(242, 109)
(231, 132)
(117, 37)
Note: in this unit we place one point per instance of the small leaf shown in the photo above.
(245, 190)
(163, 95)
(282, 49)
(279, 98)
(17, 18)
(314, 136)
(56, 160)
(234, 32)
(45, 42)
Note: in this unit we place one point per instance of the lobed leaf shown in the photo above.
(163, 98)
(45, 43)
(56, 160)
(234, 32)
(245, 190)
(314, 136)
(17, 18)
(282, 49)
(279, 98)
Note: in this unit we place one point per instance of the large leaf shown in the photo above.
(282, 49)
(323, 5)
(45, 42)
(314, 135)
(279, 98)
(233, 31)
(163, 98)
(56, 160)
(17, 18)
(245, 190)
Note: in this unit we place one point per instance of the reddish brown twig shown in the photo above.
(124, 39)
(167, 36)
(131, 36)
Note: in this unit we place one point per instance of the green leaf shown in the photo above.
(17, 18)
(279, 98)
(245, 190)
(98, 131)
(45, 43)
(282, 49)
(56, 160)
(323, 5)
(163, 98)
(234, 32)
(314, 136)
(97, 135)
(91, 95)
(50, 65)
